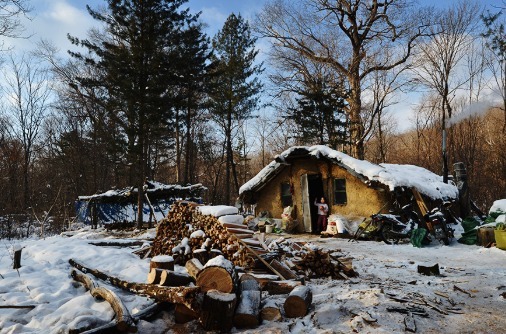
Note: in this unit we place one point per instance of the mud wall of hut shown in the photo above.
(361, 199)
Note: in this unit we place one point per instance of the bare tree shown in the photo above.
(10, 25)
(27, 87)
(348, 36)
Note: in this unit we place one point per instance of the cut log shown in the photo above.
(218, 311)
(154, 276)
(124, 322)
(247, 314)
(174, 295)
(271, 309)
(280, 287)
(429, 271)
(162, 262)
(183, 314)
(201, 254)
(193, 266)
(283, 269)
(298, 302)
(172, 278)
(218, 274)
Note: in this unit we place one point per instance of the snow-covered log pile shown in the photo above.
(188, 232)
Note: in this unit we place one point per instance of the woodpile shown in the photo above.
(229, 278)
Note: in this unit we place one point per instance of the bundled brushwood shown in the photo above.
(316, 262)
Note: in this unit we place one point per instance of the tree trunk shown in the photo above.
(181, 295)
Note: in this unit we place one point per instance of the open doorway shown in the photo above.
(312, 187)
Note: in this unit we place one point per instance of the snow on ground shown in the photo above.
(472, 282)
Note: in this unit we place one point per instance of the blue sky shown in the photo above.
(53, 19)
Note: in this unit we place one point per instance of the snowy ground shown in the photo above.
(471, 289)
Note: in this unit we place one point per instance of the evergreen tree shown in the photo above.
(135, 62)
(319, 113)
(234, 86)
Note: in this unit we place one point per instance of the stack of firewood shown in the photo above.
(178, 235)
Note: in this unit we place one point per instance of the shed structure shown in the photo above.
(352, 187)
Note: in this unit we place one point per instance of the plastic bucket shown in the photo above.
(500, 239)
(268, 228)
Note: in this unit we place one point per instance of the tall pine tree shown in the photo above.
(136, 61)
(234, 86)
(319, 112)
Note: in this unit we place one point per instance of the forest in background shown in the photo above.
(150, 95)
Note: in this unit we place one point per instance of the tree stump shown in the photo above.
(162, 262)
(298, 302)
(218, 310)
(218, 274)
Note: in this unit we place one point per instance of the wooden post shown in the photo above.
(17, 257)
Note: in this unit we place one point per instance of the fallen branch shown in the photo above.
(18, 306)
(131, 243)
(124, 322)
(175, 295)
(456, 288)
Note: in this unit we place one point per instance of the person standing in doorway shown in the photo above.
(323, 210)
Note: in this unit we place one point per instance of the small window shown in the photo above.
(339, 191)
(286, 194)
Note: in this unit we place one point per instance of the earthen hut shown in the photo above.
(352, 187)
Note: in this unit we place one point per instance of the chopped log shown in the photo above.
(172, 278)
(271, 309)
(247, 314)
(124, 321)
(214, 253)
(218, 310)
(162, 262)
(174, 295)
(283, 269)
(183, 314)
(429, 271)
(298, 302)
(218, 274)
(201, 254)
(154, 276)
(280, 287)
(193, 266)
(250, 284)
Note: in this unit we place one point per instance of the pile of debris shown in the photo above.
(225, 277)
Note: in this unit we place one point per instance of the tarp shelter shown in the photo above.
(116, 206)
(352, 187)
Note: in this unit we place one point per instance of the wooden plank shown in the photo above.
(420, 201)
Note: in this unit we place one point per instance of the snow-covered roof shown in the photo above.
(153, 188)
(390, 175)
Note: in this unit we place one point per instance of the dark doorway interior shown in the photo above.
(315, 190)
